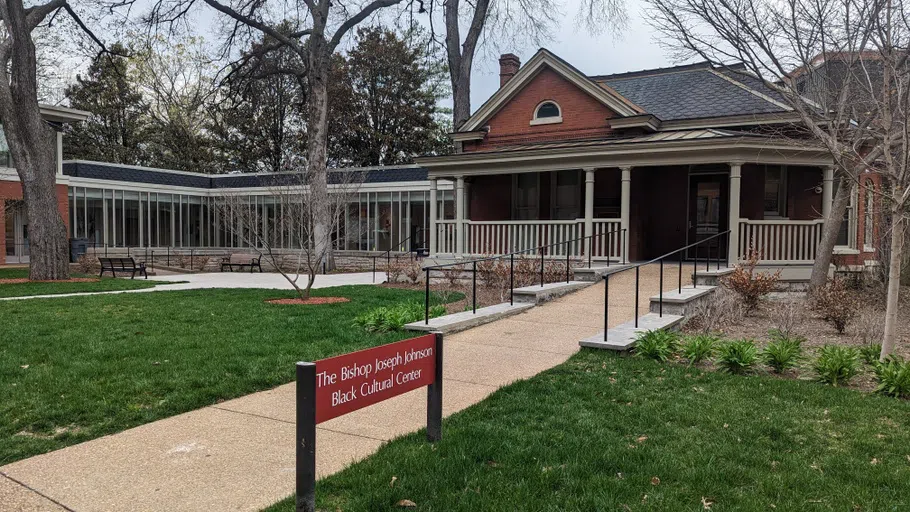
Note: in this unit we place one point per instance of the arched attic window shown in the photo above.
(547, 112)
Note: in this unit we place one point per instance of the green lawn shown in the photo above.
(73, 369)
(605, 432)
(105, 284)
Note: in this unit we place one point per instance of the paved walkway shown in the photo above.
(239, 455)
(265, 280)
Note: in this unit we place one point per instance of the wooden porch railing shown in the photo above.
(781, 241)
(502, 237)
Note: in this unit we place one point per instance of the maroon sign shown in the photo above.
(353, 381)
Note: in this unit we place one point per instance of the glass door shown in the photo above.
(708, 205)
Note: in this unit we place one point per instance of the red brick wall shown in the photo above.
(583, 116)
(13, 190)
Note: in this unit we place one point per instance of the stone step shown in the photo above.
(595, 272)
(682, 303)
(622, 337)
(467, 319)
(535, 294)
(711, 277)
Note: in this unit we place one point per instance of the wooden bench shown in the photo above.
(114, 265)
(241, 261)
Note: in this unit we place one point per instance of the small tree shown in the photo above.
(285, 231)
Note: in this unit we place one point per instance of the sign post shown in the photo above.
(338, 385)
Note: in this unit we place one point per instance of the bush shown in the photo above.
(893, 377)
(659, 344)
(737, 357)
(783, 353)
(413, 272)
(453, 274)
(752, 287)
(395, 268)
(87, 264)
(722, 307)
(871, 353)
(699, 348)
(836, 364)
(394, 318)
(836, 304)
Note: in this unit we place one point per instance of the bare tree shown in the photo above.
(311, 29)
(285, 230)
(841, 65)
(515, 21)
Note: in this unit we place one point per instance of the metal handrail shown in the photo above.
(511, 257)
(660, 259)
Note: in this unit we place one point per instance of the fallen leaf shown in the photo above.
(655, 480)
(406, 504)
(619, 476)
(25, 366)
(393, 481)
(706, 503)
(726, 425)
(874, 461)
(642, 439)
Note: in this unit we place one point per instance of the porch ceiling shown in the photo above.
(685, 147)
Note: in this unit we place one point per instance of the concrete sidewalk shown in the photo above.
(239, 455)
(265, 280)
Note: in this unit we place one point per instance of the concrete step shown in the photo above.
(711, 277)
(467, 319)
(595, 272)
(622, 337)
(536, 294)
(682, 303)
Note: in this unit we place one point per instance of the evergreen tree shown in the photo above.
(118, 127)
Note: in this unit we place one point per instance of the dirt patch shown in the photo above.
(805, 321)
(22, 280)
(308, 302)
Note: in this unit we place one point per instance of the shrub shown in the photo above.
(893, 377)
(413, 272)
(752, 287)
(87, 264)
(836, 364)
(699, 348)
(783, 353)
(395, 268)
(836, 304)
(394, 318)
(737, 357)
(787, 316)
(453, 274)
(722, 307)
(658, 344)
(870, 353)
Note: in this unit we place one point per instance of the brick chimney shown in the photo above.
(508, 66)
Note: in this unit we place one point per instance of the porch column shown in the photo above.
(827, 190)
(589, 210)
(433, 217)
(624, 208)
(733, 239)
(459, 216)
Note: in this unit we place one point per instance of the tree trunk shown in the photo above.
(829, 237)
(48, 242)
(461, 95)
(898, 231)
(317, 142)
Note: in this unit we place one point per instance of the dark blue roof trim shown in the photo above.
(114, 172)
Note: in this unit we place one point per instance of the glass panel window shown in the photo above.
(775, 198)
(165, 220)
(131, 218)
(95, 215)
(527, 195)
(868, 218)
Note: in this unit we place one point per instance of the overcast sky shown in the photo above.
(635, 48)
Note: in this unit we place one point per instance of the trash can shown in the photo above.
(78, 248)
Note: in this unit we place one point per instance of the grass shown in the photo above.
(73, 369)
(104, 285)
(603, 432)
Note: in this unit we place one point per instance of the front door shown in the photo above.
(708, 216)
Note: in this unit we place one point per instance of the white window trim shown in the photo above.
(781, 196)
(850, 248)
(546, 120)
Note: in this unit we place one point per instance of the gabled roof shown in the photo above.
(541, 60)
(695, 91)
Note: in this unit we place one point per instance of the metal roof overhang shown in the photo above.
(638, 152)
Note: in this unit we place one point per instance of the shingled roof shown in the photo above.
(694, 91)
(135, 174)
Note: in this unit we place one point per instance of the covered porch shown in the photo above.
(637, 198)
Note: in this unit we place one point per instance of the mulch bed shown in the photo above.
(22, 280)
(485, 296)
(310, 301)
